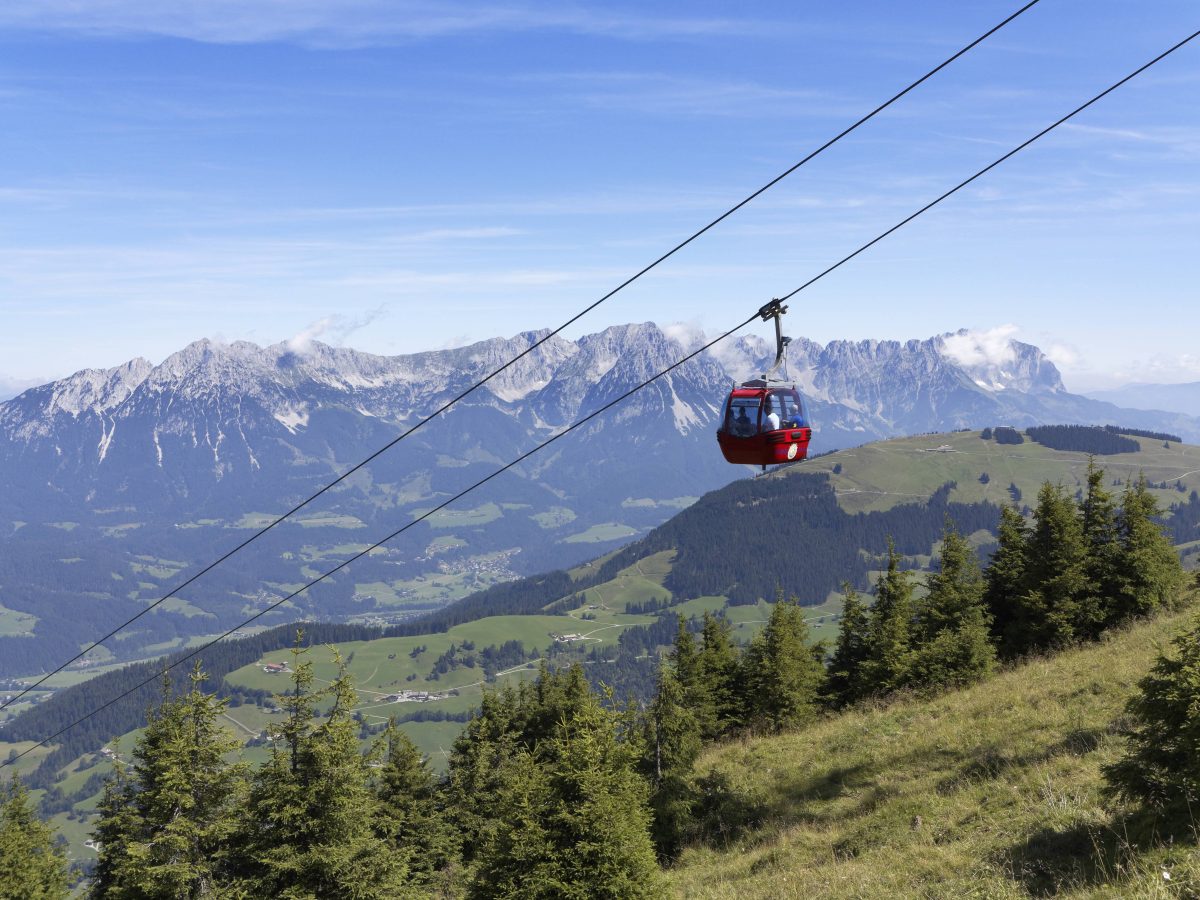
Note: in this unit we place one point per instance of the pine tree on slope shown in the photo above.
(846, 681)
(888, 666)
(31, 866)
(694, 680)
(1098, 519)
(571, 819)
(717, 673)
(784, 678)
(115, 830)
(952, 646)
(1161, 768)
(1056, 558)
(1004, 582)
(1151, 575)
(671, 745)
(309, 826)
(411, 818)
(480, 753)
(165, 832)
(509, 721)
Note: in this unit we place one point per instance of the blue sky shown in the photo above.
(398, 176)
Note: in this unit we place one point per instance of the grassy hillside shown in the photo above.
(883, 474)
(991, 792)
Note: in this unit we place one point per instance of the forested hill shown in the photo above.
(753, 538)
(746, 542)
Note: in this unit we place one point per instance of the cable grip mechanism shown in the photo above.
(775, 310)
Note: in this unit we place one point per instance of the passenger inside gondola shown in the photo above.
(793, 415)
(771, 420)
(743, 416)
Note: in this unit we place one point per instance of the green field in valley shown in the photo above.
(14, 623)
(608, 531)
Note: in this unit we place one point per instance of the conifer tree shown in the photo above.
(671, 744)
(888, 666)
(518, 856)
(1004, 582)
(572, 820)
(784, 677)
(846, 681)
(309, 828)
(952, 646)
(115, 830)
(1049, 608)
(717, 676)
(480, 754)
(509, 721)
(693, 676)
(553, 697)
(1098, 518)
(165, 828)
(1161, 768)
(685, 656)
(1150, 574)
(186, 797)
(411, 817)
(31, 866)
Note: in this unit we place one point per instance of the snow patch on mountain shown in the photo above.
(292, 417)
(685, 416)
(106, 436)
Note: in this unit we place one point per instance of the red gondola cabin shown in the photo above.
(764, 425)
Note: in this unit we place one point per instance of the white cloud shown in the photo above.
(1062, 355)
(1162, 368)
(333, 329)
(973, 348)
(350, 23)
(689, 335)
(299, 343)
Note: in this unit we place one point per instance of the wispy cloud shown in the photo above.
(986, 347)
(334, 329)
(666, 94)
(1175, 142)
(1162, 368)
(1063, 355)
(355, 23)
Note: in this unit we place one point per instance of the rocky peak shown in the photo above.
(995, 362)
(90, 390)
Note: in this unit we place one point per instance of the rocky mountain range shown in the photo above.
(116, 483)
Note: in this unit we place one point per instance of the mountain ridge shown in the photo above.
(854, 375)
(114, 482)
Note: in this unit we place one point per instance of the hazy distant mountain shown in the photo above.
(10, 387)
(116, 483)
(1179, 398)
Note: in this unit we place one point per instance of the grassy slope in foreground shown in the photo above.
(991, 792)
